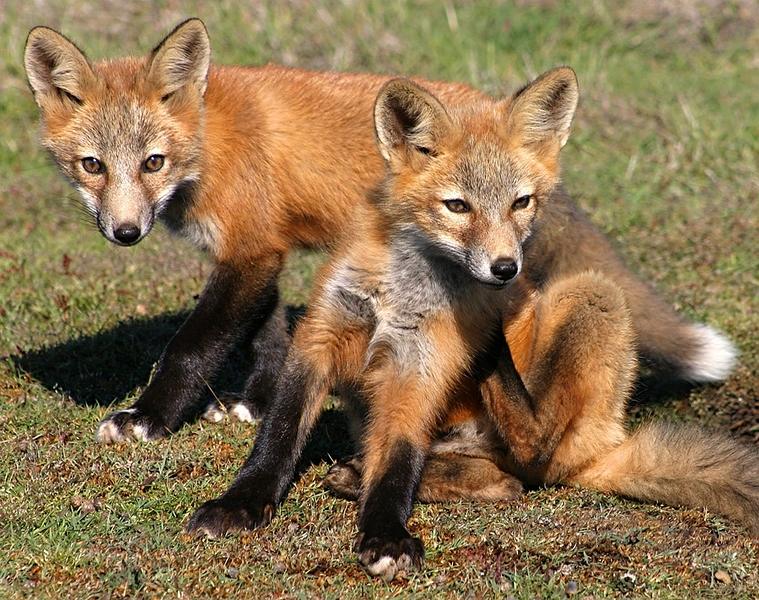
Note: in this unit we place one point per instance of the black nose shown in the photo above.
(127, 234)
(504, 269)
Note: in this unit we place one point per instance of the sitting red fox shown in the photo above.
(467, 239)
(248, 163)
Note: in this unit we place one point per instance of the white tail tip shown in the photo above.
(714, 357)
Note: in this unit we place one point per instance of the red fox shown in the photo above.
(247, 163)
(468, 244)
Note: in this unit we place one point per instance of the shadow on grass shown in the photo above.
(329, 441)
(100, 369)
(655, 389)
(105, 367)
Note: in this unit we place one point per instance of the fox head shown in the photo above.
(126, 132)
(468, 182)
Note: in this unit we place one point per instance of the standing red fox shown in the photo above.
(467, 242)
(248, 163)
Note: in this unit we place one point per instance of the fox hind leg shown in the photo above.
(344, 478)
(568, 403)
(450, 476)
(269, 350)
(446, 477)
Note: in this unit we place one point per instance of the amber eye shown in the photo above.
(456, 205)
(521, 202)
(153, 163)
(92, 165)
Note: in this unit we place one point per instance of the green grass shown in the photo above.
(664, 157)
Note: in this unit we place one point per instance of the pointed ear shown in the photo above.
(407, 118)
(542, 111)
(55, 66)
(181, 59)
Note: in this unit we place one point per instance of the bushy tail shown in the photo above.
(672, 345)
(667, 342)
(682, 466)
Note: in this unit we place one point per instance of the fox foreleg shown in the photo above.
(237, 299)
(323, 351)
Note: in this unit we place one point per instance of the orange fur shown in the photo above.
(260, 160)
(555, 404)
(271, 143)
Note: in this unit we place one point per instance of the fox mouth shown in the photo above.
(496, 285)
(126, 235)
(493, 283)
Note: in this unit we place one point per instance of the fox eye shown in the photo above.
(92, 165)
(153, 163)
(521, 202)
(71, 97)
(456, 205)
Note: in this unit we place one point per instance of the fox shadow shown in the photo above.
(102, 368)
(106, 367)
(652, 387)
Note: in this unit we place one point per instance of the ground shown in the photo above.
(663, 156)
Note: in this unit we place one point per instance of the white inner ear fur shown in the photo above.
(545, 108)
(51, 61)
(183, 58)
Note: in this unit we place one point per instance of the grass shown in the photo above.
(663, 156)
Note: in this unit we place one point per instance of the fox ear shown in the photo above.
(408, 118)
(542, 111)
(181, 59)
(55, 67)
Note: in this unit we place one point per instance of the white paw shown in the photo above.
(214, 413)
(386, 567)
(387, 558)
(140, 432)
(242, 413)
(108, 431)
(123, 425)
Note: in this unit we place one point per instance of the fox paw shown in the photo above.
(386, 558)
(232, 405)
(129, 424)
(344, 478)
(219, 517)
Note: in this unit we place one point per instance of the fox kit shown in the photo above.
(467, 235)
(247, 163)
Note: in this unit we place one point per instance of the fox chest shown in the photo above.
(403, 314)
(386, 297)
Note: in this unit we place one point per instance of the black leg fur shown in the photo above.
(231, 306)
(268, 350)
(269, 470)
(384, 545)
